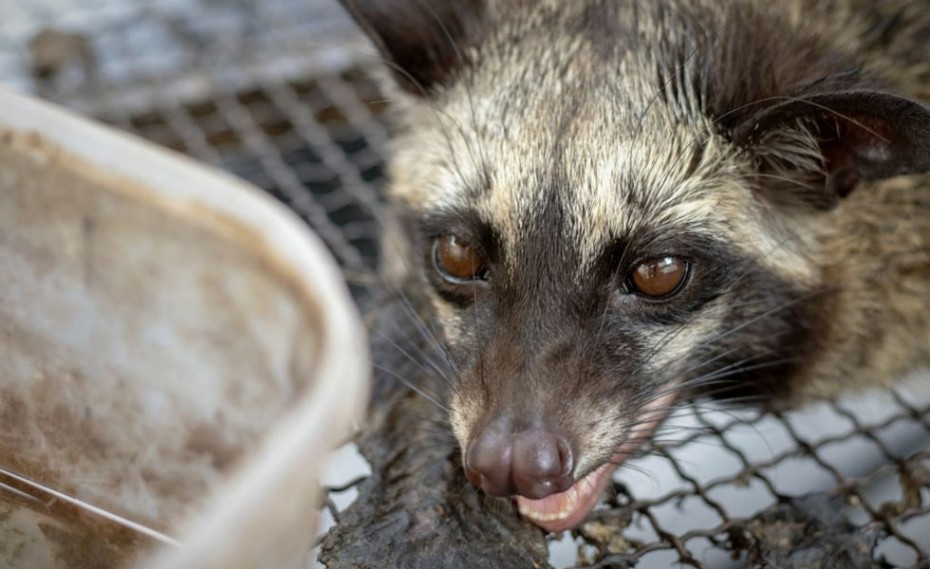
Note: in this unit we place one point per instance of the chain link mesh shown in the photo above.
(280, 93)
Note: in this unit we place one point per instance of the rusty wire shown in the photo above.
(292, 108)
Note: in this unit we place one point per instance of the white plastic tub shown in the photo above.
(176, 350)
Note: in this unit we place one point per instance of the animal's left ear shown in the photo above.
(861, 135)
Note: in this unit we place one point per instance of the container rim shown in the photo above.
(326, 411)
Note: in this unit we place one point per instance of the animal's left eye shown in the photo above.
(659, 278)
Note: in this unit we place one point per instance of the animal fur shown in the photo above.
(781, 146)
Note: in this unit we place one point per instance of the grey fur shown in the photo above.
(566, 127)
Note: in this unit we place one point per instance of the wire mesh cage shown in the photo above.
(281, 94)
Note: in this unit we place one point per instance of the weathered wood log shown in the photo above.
(417, 510)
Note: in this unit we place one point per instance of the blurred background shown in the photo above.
(280, 93)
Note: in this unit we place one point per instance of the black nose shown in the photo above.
(533, 464)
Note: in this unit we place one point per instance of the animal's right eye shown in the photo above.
(457, 261)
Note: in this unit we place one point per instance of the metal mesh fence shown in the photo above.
(280, 93)
(880, 490)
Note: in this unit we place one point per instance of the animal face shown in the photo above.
(609, 204)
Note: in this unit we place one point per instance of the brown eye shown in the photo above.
(660, 277)
(456, 260)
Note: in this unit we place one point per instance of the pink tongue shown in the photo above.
(568, 509)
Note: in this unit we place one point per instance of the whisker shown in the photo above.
(411, 385)
(426, 358)
(433, 336)
(420, 365)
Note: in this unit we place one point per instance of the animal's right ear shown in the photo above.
(422, 41)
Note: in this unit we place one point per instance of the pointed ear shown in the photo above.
(422, 41)
(861, 136)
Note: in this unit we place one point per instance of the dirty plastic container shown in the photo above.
(177, 356)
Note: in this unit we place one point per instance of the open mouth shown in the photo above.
(566, 510)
